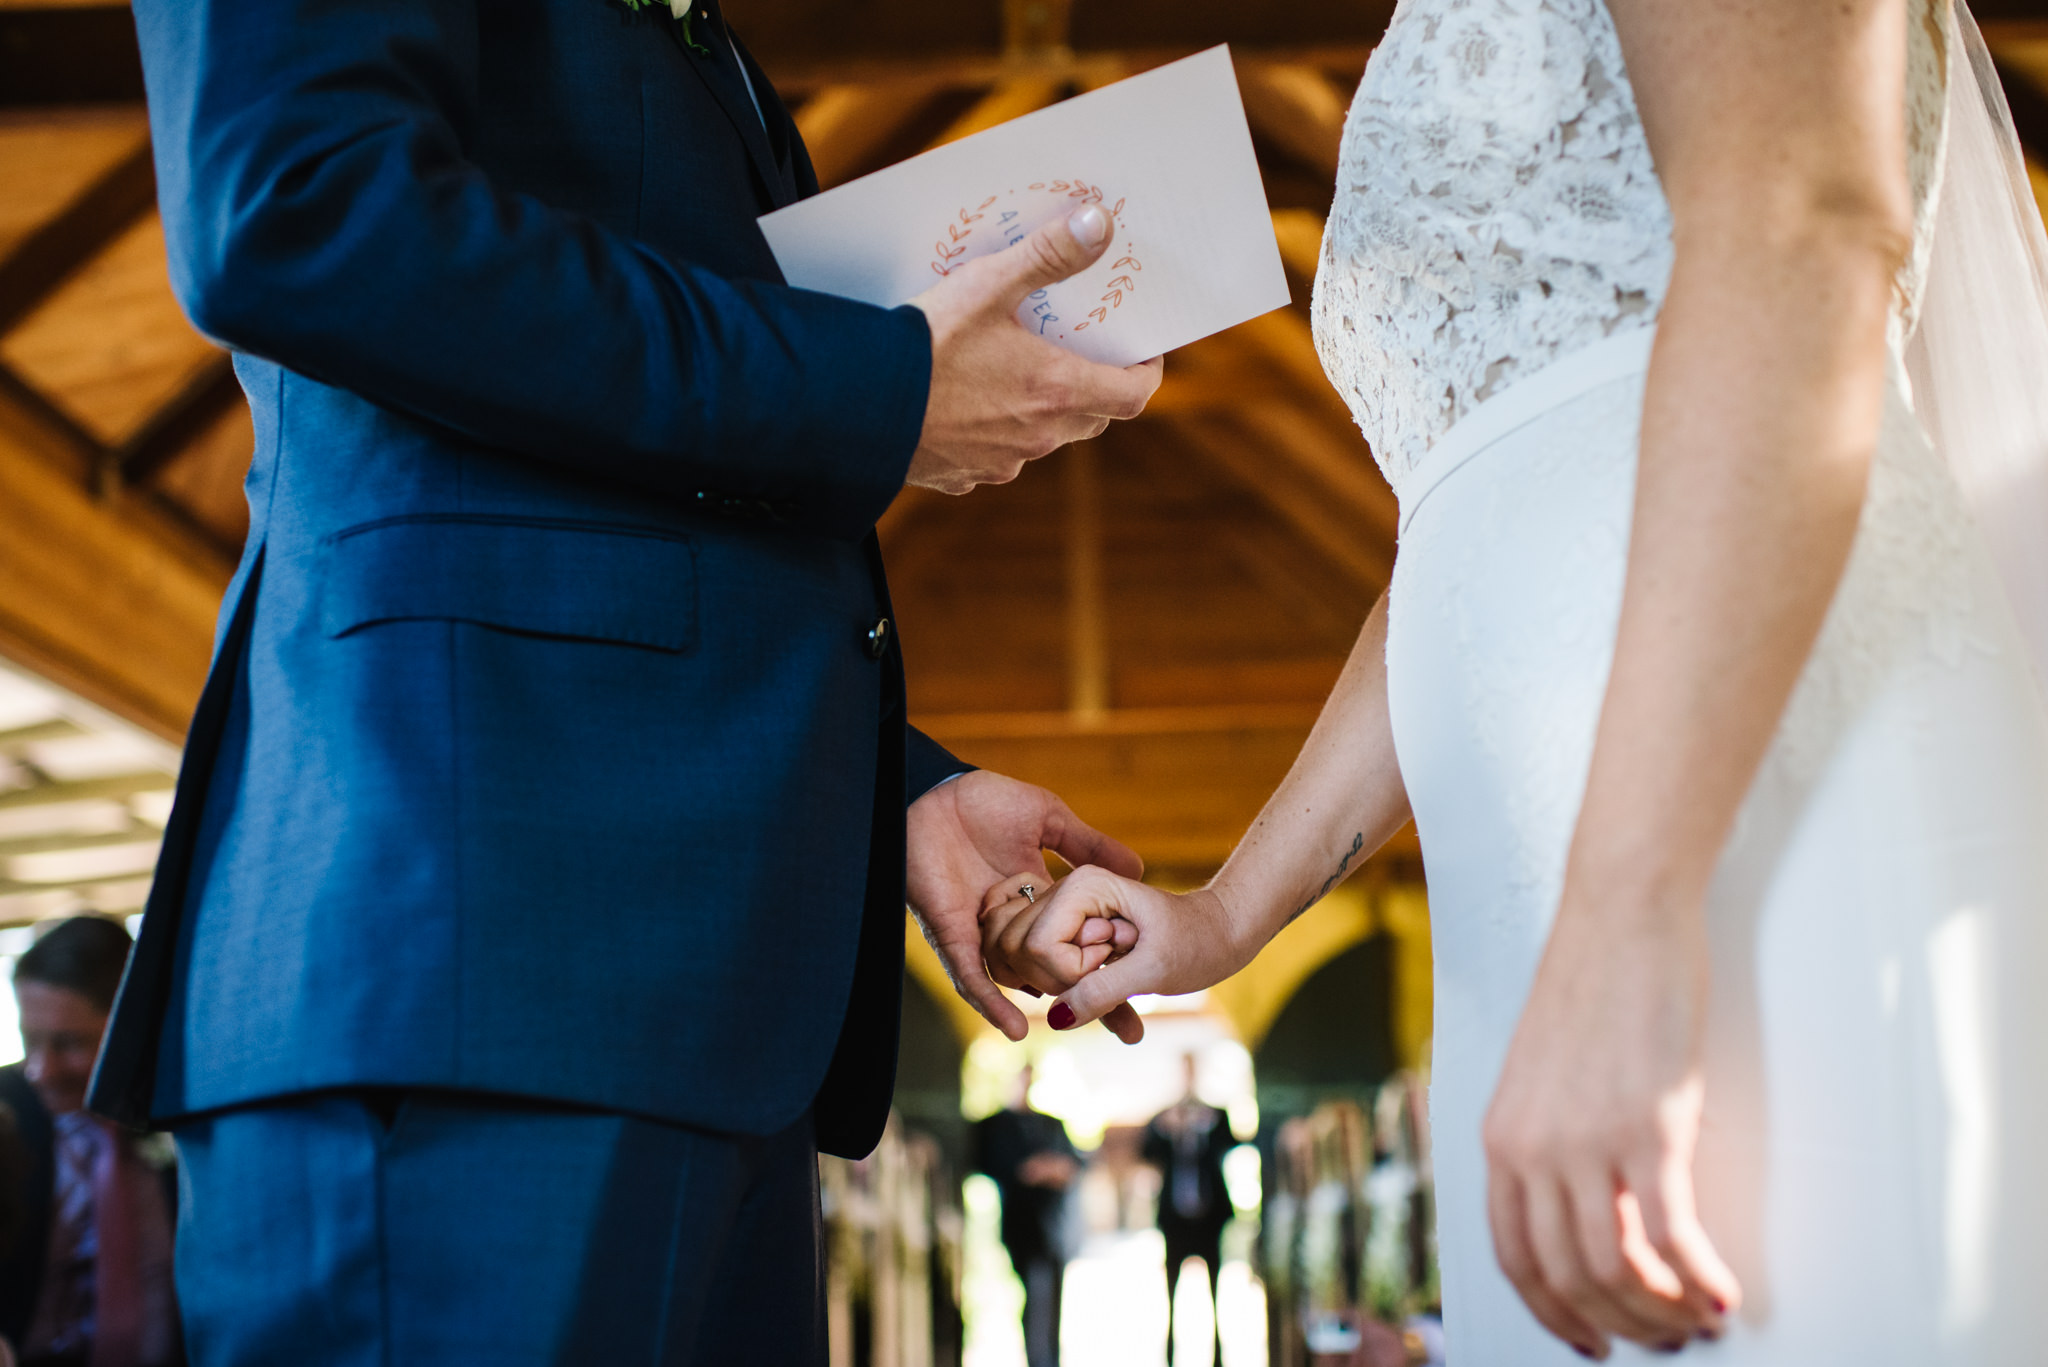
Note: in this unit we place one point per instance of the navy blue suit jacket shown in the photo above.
(545, 752)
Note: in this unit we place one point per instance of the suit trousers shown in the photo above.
(1185, 1240)
(429, 1229)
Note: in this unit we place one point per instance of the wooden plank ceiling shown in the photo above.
(1146, 623)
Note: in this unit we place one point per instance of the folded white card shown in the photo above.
(1167, 154)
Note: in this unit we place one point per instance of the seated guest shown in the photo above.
(87, 1281)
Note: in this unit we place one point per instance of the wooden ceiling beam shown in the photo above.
(1087, 608)
(806, 73)
(133, 834)
(116, 789)
(1180, 785)
(39, 426)
(1299, 233)
(845, 126)
(101, 597)
(106, 209)
(1295, 108)
(1011, 99)
(1336, 462)
(172, 428)
(78, 52)
(1329, 528)
(2029, 109)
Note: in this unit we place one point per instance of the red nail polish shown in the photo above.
(1583, 1351)
(1032, 990)
(1061, 1017)
(1671, 1347)
(1720, 1306)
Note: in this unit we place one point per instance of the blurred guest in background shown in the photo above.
(1187, 1143)
(13, 1196)
(1034, 1165)
(86, 1282)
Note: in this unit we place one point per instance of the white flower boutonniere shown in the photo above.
(684, 12)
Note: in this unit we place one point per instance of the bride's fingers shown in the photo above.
(1637, 1297)
(1547, 1218)
(1660, 1200)
(1505, 1213)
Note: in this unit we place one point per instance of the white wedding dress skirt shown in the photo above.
(1874, 1161)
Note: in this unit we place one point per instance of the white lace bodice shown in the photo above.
(1497, 207)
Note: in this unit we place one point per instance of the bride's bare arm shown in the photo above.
(1342, 799)
(1777, 127)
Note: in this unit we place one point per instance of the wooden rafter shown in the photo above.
(1296, 108)
(1300, 235)
(1087, 608)
(2029, 109)
(1329, 528)
(191, 411)
(41, 261)
(1012, 98)
(806, 73)
(39, 426)
(68, 53)
(1335, 461)
(844, 126)
(101, 596)
(116, 789)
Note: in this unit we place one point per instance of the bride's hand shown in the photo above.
(1590, 1139)
(1184, 942)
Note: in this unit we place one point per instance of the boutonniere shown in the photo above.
(685, 12)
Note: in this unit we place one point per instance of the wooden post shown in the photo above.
(1087, 630)
(1037, 28)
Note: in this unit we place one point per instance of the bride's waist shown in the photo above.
(1528, 399)
(1623, 356)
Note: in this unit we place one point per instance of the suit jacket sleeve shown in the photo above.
(928, 764)
(320, 211)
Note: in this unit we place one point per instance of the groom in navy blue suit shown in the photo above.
(531, 911)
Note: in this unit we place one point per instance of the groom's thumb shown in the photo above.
(1061, 248)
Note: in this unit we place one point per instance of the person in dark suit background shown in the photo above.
(86, 1279)
(561, 621)
(15, 1169)
(1033, 1164)
(1188, 1142)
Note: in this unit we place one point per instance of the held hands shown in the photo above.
(1590, 1139)
(1000, 396)
(1185, 942)
(983, 829)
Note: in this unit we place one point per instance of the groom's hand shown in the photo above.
(1001, 396)
(970, 834)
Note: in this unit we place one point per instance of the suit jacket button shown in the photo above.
(878, 639)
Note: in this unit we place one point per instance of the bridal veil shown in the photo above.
(1978, 361)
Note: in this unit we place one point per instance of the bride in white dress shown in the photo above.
(1715, 717)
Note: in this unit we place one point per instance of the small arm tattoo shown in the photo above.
(1343, 867)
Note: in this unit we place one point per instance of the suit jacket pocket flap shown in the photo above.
(581, 582)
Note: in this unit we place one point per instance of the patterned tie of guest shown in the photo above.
(118, 1213)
